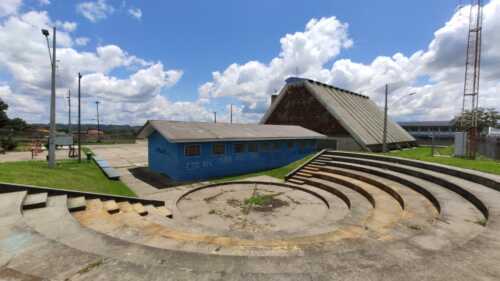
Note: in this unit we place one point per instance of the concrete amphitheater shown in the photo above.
(342, 216)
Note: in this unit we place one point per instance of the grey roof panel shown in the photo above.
(176, 131)
(359, 115)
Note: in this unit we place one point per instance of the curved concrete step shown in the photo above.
(489, 180)
(387, 211)
(438, 179)
(458, 220)
(420, 213)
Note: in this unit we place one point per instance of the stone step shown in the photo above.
(427, 175)
(309, 168)
(319, 163)
(302, 173)
(165, 212)
(11, 203)
(296, 181)
(111, 206)
(76, 203)
(35, 200)
(139, 208)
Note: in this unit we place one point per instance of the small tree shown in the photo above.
(17, 124)
(486, 117)
(3, 114)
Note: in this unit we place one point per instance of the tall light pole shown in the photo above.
(52, 135)
(69, 113)
(231, 114)
(215, 117)
(79, 119)
(98, 127)
(384, 137)
(386, 109)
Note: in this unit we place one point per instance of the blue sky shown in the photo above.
(175, 46)
(203, 36)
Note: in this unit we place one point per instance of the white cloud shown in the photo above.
(82, 41)
(135, 12)
(302, 53)
(95, 10)
(66, 25)
(8, 7)
(436, 73)
(27, 62)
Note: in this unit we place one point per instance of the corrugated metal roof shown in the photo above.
(359, 115)
(177, 131)
(427, 123)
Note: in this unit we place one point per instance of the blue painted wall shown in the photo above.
(169, 159)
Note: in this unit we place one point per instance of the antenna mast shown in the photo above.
(472, 72)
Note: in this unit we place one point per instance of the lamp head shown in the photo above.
(45, 32)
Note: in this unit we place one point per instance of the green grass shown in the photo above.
(445, 157)
(69, 174)
(258, 200)
(278, 173)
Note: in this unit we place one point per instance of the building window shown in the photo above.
(264, 147)
(276, 146)
(290, 145)
(239, 147)
(192, 150)
(302, 144)
(252, 147)
(218, 148)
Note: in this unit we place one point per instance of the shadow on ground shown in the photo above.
(154, 179)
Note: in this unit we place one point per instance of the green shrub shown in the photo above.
(8, 143)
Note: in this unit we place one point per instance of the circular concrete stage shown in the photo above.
(254, 210)
(342, 216)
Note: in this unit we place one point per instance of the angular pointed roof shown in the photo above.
(357, 114)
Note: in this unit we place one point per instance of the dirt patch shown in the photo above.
(270, 205)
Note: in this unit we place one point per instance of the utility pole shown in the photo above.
(98, 127)
(79, 119)
(215, 117)
(52, 135)
(384, 137)
(231, 114)
(69, 112)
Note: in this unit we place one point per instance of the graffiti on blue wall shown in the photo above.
(236, 157)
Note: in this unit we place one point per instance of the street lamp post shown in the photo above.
(52, 134)
(384, 137)
(386, 109)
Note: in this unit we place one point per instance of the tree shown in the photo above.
(17, 124)
(3, 113)
(486, 117)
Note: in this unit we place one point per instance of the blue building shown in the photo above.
(186, 151)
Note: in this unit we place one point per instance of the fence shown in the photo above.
(489, 146)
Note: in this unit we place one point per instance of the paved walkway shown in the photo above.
(26, 155)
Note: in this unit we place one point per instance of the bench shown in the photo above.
(110, 173)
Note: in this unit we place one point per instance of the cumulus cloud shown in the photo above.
(82, 41)
(135, 12)
(95, 10)
(302, 53)
(435, 74)
(66, 25)
(8, 7)
(129, 99)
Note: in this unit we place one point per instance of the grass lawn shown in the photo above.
(445, 157)
(69, 174)
(279, 173)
